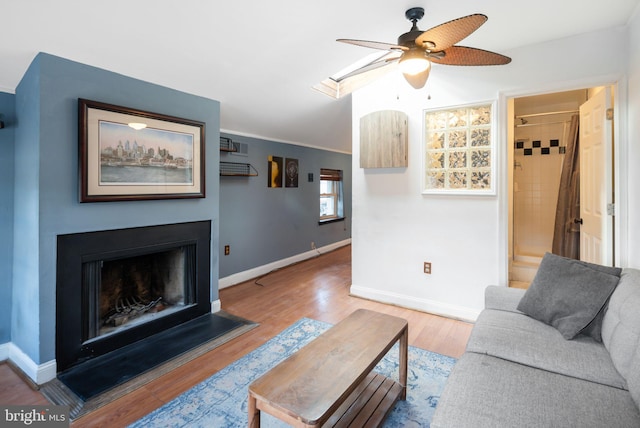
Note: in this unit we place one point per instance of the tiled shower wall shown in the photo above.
(538, 156)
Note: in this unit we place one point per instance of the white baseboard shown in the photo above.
(239, 277)
(42, 373)
(411, 302)
(4, 351)
(39, 373)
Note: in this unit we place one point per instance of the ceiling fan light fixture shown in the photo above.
(414, 61)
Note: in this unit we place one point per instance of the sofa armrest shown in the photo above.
(502, 298)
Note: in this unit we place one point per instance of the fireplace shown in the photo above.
(116, 287)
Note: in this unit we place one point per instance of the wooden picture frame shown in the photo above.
(118, 162)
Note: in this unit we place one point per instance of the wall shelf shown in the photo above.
(227, 145)
(237, 169)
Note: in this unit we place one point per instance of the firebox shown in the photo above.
(130, 290)
(116, 287)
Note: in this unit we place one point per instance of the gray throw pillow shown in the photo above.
(570, 295)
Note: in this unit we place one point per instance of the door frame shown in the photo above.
(505, 117)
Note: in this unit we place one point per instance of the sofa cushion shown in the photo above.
(521, 339)
(621, 330)
(502, 298)
(568, 294)
(484, 391)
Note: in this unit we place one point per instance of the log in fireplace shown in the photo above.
(116, 287)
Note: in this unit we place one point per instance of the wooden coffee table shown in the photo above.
(330, 382)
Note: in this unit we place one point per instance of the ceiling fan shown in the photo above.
(417, 49)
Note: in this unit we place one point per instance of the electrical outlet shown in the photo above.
(427, 268)
(227, 250)
(313, 245)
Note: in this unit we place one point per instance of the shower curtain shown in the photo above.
(566, 233)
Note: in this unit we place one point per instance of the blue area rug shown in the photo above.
(221, 400)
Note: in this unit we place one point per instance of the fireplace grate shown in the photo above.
(128, 309)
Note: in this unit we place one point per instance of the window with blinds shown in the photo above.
(331, 204)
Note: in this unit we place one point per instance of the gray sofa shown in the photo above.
(520, 372)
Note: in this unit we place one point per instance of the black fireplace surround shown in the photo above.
(75, 301)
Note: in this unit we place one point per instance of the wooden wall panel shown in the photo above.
(383, 139)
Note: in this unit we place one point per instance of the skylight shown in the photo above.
(357, 74)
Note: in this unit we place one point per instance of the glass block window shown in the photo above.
(458, 155)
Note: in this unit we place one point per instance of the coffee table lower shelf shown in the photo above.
(369, 404)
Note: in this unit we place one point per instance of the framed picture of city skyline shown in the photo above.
(128, 154)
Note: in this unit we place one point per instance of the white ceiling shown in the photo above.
(261, 58)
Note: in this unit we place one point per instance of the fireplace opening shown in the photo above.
(130, 291)
(116, 287)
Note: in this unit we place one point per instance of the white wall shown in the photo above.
(396, 228)
(634, 140)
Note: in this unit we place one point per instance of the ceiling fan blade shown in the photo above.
(417, 80)
(448, 34)
(372, 45)
(462, 55)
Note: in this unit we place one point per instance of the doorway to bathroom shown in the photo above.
(551, 209)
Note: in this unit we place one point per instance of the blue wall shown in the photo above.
(7, 115)
(25, 319)
(46, 183)
(263, 224)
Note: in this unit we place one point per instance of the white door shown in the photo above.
(596, 188)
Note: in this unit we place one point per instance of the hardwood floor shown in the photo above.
(317, 288)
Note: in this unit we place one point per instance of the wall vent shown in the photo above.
(242, 149)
